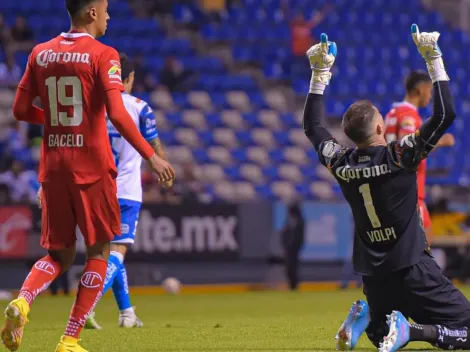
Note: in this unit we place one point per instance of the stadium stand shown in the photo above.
(238, 116)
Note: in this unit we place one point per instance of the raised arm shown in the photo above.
(322, 57)
(417, 146)
(443, 109)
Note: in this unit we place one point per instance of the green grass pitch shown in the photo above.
(252, 322)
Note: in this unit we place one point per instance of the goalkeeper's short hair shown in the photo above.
(414, 78)
(358, 119)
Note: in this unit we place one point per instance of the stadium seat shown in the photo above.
(194, 119)
(225, 137)
(295, 155)
(179, 154)
(163, 100)
(276, 100)
(322, 190)
(211, 173)
(263, 137)
(252, 173)
(244, 191)
(298, 138)
(200, 100)
(283, 190)
(290, 173)
(258, 155)
(188, 137)
(232, 119)
(225, 191)
(238, 100)
(219, 155)
(270, 119)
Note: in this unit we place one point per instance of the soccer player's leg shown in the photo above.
(370, 316)
(384, 294)
(116, 275)
(98, 216)
(440, 310)
(58, 237)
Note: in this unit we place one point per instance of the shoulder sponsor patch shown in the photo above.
(114, 71)
(408, 121)
(329, 149)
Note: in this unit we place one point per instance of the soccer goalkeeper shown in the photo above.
(378, 179)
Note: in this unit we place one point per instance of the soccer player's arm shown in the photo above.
(321, 57)
(23, 108)
(110, 79)
(148, 129)
(415, 147)
(409, 124)
(322, 140)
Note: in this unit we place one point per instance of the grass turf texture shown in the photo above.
(258, 321)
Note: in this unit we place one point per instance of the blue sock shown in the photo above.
(114, 263)
(121, 289)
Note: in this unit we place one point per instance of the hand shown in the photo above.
(167, 184)
(446, 140)
(162, 168)
(426, 43)
(431, 53)
(322, 57)
(39, 198)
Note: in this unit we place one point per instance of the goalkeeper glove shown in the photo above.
(321, 57)
(431, 53)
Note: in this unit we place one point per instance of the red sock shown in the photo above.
(89, 292)
(44, 271)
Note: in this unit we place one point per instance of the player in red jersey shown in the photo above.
(77, 78)
(404, 119)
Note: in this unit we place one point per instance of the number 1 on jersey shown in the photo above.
(57, 93)
(369, 204)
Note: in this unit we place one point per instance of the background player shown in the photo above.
(404, 119)
(129, 186)
(76, 77)
(379, 182)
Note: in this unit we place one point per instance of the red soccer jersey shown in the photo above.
(404, 119)
(71, 74)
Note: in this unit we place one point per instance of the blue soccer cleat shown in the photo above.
(399, 334)
(353, 327)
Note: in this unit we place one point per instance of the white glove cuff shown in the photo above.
(317, 88)
(436, 70)
(319, 81)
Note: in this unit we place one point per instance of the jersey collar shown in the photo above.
(75, 35)
(405, 103)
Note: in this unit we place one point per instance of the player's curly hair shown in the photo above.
(75, 6)
(357, 121)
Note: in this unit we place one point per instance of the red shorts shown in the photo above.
(93, 207)
(423, 209)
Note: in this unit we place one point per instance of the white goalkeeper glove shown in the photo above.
(431, 53)
(321, 57)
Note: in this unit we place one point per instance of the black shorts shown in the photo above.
(421, 292)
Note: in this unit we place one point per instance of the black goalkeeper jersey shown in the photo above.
(379, 183)
(382, 193)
